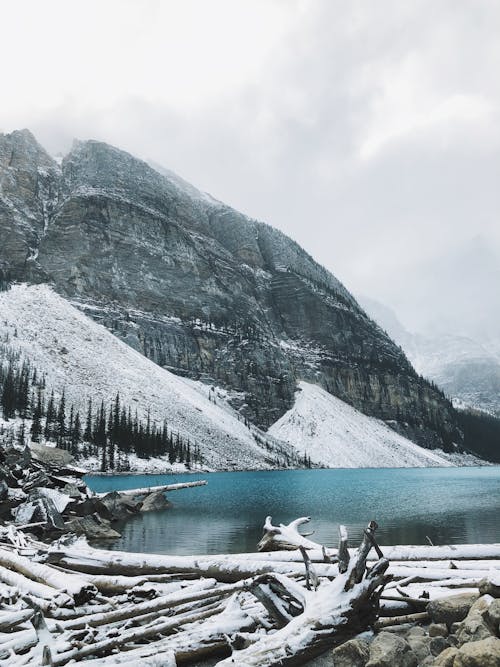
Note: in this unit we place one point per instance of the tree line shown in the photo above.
(110, 432)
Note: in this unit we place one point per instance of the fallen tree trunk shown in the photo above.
(97, 561)
(145, 490)
(419, 617)
(79, 589)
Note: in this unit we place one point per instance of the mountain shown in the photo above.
(327, 430)
(82, 357)
(200, 289)
(467, 369)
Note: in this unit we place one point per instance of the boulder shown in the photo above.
(490, 586)
(154, 501)
(389, 650)
(438, 645)
(39, 510)
(93, 527)
(4, 490)
(476, 625)
(482, 653)
(420, 645)
(92, 505)
(118, 506)
(494, 615)
(353, 653)
(72, 491)
(438, 630)
(451, 609)
(446, 658)
(51, 456)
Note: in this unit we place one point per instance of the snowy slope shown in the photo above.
(336, 435)
(85, 359)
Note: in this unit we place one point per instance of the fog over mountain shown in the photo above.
(455, 293)
(368, 132)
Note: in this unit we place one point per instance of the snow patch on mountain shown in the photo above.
(336, 435)
(86, 360)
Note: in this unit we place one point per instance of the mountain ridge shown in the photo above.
(246, 307)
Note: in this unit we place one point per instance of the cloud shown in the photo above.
(369, 132)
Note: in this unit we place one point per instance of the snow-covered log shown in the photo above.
(201, 590)
(227, 570)
(165, 488)
(79, 589)
(140, 634)
(196, 641)
(10, 619)
(332, 614)
(40, 592)
(18, 641)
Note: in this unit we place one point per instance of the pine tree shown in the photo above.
(61, 421)
(36, 425)
(50, 417)
(76, 434)
(87, 434)
(9, 394)
(21, 436)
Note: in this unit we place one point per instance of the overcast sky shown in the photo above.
(368, 131)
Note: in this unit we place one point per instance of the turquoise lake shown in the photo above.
(446, 505)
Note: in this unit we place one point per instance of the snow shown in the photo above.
(86, 360)
(336, 435)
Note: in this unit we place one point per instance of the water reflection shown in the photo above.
(449, 505)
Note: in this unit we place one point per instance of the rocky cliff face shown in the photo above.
(200, 288)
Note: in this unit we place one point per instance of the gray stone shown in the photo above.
(420, 645)
(494, 614)
(353, 653)
(446, 658)
(93, 527)
(488, 587)
(483, 653)
(438, 630)
(154, 501)
(388, 650)
(417, 631)
(476, 626)
(438, 645)
(52, 456)
(72, 491)
(451, 609)
(119, 507)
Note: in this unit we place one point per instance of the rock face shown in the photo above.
(201, 289)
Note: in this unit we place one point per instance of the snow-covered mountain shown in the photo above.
(200, 289)
(85, 360)
(333, 434)
(467, 369)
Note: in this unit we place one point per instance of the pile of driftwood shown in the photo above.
(68, 602)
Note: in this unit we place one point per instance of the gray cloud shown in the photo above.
(369, 132)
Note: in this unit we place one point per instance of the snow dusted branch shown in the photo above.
(277, 538)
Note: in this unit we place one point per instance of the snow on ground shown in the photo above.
(85, 359)
(336, 435)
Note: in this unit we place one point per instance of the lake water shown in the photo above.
(449, 505)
